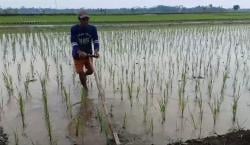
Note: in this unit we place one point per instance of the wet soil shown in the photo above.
(3, 137)
(241, 137)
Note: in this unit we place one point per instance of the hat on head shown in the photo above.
(83, 14)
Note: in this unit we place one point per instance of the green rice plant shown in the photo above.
(235, 105)
(124, 125)
(46, 110)
(16, 138)
(78, 120)
(193, 120)
(225, 77)
(46, 67)
(138, 92)
(163, 105)
(145, 112)
(26, 86)
(130, 90)
(215, 109)
(210, 88)
(111, 111)
(197, 88)
(67, 99)
(32, 70)
(152, 127)
(19, 75)
(183, 105)
(121, 90)
(103, 124)
(152, 90)
(8, 84)
(61, 77)
(201, 111)
(21, 109)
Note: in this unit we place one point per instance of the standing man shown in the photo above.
(83, 36)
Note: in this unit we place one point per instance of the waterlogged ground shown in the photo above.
(163, 84)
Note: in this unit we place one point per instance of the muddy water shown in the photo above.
(153, 60)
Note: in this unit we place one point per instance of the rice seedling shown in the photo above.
(21, 109)
(163, 105)
(215, 109)
(46, 110)
(137, 92)
(46, 67)
(130, 90)
(8, 84)
(124, 125)
(145, 112)
(183, 105)
(236, 98)
(26, 86)
(193, 120)
(67, 99)
(152, 127)
(201, 112)
(121, 90)
(16, 137)
(225, 77)
(111, 111)
(32, 69)
(19, 72)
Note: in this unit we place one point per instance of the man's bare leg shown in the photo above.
(83, 80)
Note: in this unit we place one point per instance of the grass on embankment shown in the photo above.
(71, 19)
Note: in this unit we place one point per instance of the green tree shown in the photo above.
(236, 7)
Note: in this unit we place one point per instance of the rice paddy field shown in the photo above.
(123, 18)
(163, 84)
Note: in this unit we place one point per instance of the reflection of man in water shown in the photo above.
(83, 36)
(84, 128)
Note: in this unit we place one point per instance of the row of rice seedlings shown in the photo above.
(46, 111)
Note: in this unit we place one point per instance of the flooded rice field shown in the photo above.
(162, 84)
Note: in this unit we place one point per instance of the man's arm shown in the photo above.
(74, 43)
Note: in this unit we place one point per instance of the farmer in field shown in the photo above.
(83, 35)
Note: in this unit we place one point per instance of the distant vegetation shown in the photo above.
(137, 10)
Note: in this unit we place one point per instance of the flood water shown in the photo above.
(162, 84)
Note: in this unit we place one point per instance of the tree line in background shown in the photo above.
(160, 9)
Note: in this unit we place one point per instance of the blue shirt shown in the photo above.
(82, 38)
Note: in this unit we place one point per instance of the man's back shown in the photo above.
(83, 36)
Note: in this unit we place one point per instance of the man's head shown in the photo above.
(83, 17)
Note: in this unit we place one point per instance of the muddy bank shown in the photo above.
(241, 137)
(3, 137)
